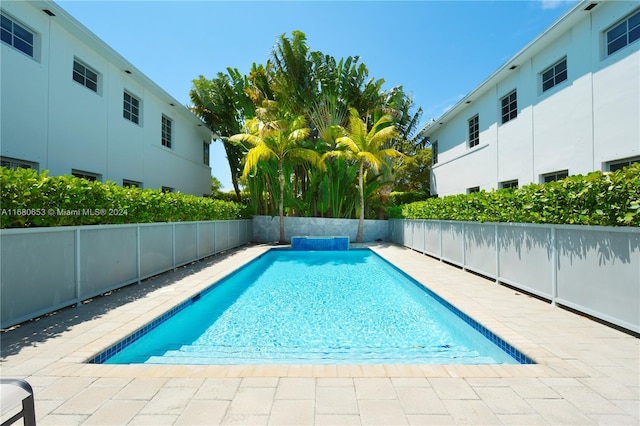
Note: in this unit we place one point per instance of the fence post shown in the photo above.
(413, 234)
(138, 254)
(464, 248)
(440, 255)
(497, 253)
(554, 266)
(215, 241)
(78, 268)
(173, 244)
(198, 241)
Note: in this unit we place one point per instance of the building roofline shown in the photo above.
(559, 26)
(76, 28)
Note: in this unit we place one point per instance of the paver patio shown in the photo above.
(586, 372)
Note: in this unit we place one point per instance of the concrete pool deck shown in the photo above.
(586, 372)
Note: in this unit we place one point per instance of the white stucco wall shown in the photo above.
(579, 125)
(49, 119)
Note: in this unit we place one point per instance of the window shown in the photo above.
(131, 108)
(131, 183)
(474, 131)
(623, 34)
(85, 175)
(620, 164)
(85, 76)
(509, 106)
(509, 184)
(14, 163)
(473, 189)
(167, 189)
(166, 131)
(205, 153)
(554, 75)
(17, 36)
(434, 152)
(552, 177)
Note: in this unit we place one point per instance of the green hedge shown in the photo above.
(400, 198)
(608, 199)
(30, 199)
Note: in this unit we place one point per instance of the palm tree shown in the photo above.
(222, 103)
(368, 149)
(271, 138)
(290, 73)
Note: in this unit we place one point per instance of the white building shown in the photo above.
(568, 103)
(72, 105)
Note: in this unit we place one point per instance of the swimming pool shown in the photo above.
(297, 307)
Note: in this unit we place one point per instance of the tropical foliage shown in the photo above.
(223, 104)
(414, 175)
(367, 148)
(608, 199)
(276, 139)
(316, 91)
(31, 199)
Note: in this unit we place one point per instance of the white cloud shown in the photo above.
(551, 4)
(438, 109)
(445, 109)
(451, 102)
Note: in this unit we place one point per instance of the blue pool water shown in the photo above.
(323, 307)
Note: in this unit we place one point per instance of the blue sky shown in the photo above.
(437, 50)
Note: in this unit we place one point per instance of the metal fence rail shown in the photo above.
(592, 269)
(45, 269)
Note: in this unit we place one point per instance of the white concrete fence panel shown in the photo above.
(591, 269)
(45, 269)
(595, 270)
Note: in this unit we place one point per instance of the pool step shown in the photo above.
(199, 354)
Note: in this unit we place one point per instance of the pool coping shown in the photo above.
(112, 350)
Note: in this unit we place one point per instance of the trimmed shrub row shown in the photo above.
(400, 198)
(608, 199)
(30, 199)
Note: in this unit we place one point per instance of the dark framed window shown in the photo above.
(621, 164)
(509, 106)
(434, 152)
(131, 108)
(473, 189)
(167, 189)
(623, 33)
(554, 75)
(131, 183)
(554, 176)
(474, 131)
(14, 163)
(16, 35)
(205, 153)
(85, 175)
(167, 125)
(85, 76)
(509, 184)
